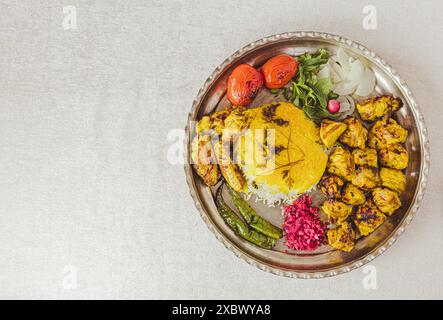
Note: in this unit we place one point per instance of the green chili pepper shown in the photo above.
(238, 226)
(253, 219)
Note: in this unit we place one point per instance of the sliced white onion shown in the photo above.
(343, 59)
(333, 73)
(337, 67)
(324, 72)
(347, 106)
(345, 88)
(344, 106)
(367, 83)
(346, 99)
(349, 75)
(356, 72)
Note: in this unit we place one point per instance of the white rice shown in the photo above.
(269, 195)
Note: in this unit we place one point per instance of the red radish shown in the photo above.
(333, 106)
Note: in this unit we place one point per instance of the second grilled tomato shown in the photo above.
(244, 83)
(279, 70)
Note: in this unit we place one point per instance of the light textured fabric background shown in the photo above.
(85, 187)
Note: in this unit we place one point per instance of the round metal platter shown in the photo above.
(325, 261)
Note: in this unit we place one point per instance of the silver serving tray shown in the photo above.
(325, 261)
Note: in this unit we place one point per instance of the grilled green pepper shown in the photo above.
(238, 226)
(253, 219)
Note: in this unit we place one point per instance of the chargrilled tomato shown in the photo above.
(244, 84)
(279, 70)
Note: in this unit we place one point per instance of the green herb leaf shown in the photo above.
(322, 88)
(311, 62)
(318, 114)
(310, 93)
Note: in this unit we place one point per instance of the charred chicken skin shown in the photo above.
(368, 218)
(374, 108)
(364, 157)
(342, 238)
(353, 195)
(356, 134)
(336, 211)
(230, 171)
(330, 131)
(386, 200)
(394, 156)
(393, 179)
(341, 163)
(210, 156)
(331, 186)
(204, 160)
(366, 178)
(386, 132)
